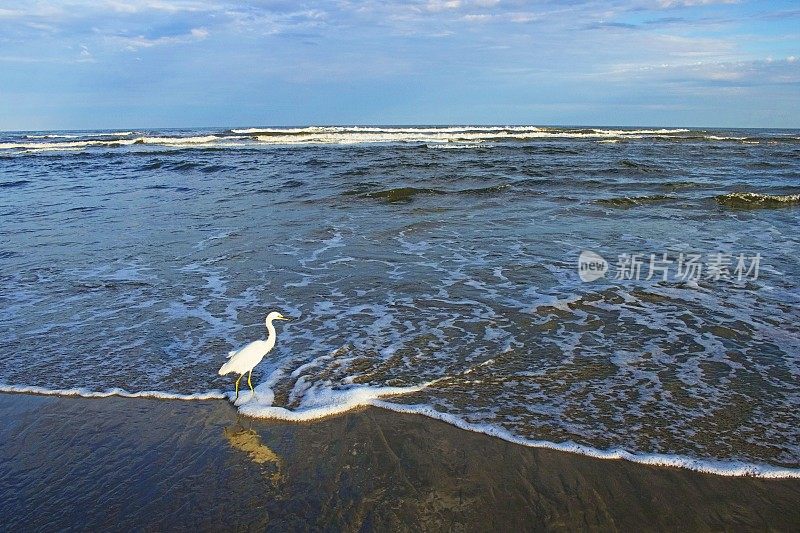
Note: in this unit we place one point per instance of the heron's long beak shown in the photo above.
(282, 318)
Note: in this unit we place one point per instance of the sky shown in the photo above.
(213, 63)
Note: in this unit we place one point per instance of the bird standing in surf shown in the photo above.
(245, 359)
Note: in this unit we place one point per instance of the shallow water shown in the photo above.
(443, 260)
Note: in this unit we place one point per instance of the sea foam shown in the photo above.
(86, 393)
(708, 466)
(320, 402)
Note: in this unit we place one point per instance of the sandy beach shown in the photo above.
(141, 464)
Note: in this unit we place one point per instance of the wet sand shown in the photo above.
(140, 464)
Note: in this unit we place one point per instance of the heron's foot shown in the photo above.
(244, 398)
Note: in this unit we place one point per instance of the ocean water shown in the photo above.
(427, 269)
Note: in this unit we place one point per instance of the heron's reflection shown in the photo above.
(249, 441)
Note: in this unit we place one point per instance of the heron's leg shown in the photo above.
(250, 375)
(237, 388)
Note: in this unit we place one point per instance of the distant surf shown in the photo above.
(243, 138)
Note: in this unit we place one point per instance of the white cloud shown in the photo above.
(10, 13)
(143, 6)
(692, 3)
(140, 41)
(443, 5)
(767, 71)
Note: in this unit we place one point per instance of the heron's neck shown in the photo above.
(270, 330)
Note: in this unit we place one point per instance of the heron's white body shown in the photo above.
(246, 358)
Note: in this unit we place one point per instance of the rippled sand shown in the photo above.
(122, 464)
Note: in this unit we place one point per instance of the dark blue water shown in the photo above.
(440, 261)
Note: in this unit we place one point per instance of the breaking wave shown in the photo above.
(406, 194)
(80, 135)
(455, 136)
(113, 143)
(752, 200)
(633, 201)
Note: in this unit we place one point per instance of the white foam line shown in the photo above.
(85, 393)
(720, 468)
(337, 402)
(362, 396)
(79, 135)
(73, 145)
(450, 129)
(332, 403)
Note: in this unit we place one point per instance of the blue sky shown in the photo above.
(186, 63)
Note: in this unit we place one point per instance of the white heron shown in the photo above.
(245, 359)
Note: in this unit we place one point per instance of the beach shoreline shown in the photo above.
(124, 463)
